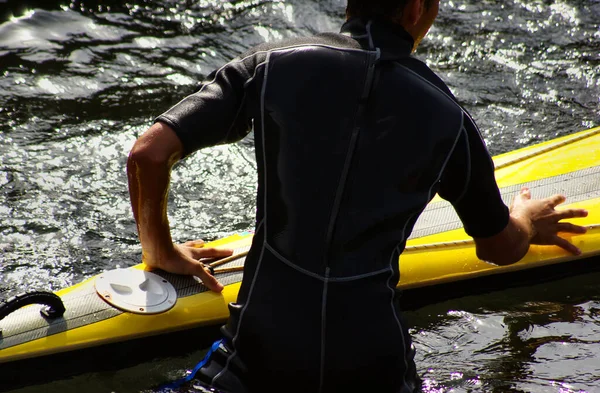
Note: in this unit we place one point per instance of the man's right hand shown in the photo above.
(531, 221)
(547, 222)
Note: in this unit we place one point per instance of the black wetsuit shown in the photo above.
(353, 138)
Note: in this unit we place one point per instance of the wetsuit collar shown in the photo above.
(390, 37)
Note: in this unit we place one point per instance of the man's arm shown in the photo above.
(502, 235)
(148, 171)
(531, 221)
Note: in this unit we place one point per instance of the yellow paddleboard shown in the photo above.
(438, 252)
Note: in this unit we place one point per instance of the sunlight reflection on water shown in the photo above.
(81, 82)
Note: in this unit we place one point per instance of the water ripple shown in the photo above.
(80, 80)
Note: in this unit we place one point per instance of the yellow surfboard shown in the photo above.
(437, 253)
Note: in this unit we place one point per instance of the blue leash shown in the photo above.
(191, 375)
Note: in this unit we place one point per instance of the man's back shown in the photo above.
(353, 138)
(348, 156)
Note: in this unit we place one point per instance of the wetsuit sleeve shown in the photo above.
(468, 182)
(216, 113)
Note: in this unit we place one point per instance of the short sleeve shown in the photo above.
(216, 113)
(469, 183)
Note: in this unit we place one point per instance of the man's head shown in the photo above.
(416, 16)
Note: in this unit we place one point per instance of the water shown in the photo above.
(80, 80)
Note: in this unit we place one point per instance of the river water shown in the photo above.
(80, 80)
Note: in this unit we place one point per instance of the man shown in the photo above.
(353, 138)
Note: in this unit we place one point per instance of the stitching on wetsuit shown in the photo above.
(268, 52)
(397, 249)
(318, 276)
(323, 328)
(251, 79)
(461, 127)
(241, 106)
(469, 172)
(234, 340)
(273, 50)
(465, 113)
(264, 221)
(358, 123)
(397, 252)
(260, 224)
(241, 60)
(434, 86)
(463, 110)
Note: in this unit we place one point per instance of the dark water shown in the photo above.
(79, 81)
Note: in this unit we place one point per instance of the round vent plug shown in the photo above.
(136, 291)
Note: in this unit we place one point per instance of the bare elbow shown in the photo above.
(157, 147)
(140, 159)
(141, 153)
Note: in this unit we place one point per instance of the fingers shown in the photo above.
(522, 196)
(547, 221)
(571, 213)
(208, 279)
(198, 243)
(567, 227)
(556, 200)
(209, 252)
(566, 245)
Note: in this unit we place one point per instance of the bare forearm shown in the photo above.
(148, 171)
(148, 189)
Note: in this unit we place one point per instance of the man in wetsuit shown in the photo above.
(353, 138)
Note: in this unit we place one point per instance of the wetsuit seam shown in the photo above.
(248, 80)
(358, 277)
(264, 221)
(239, 325)
(318, 276)
(368, 84)
(469, 171)
(251, 79)
(323, 329)
(463, 110)
(397, 249)
(263, 92)
(259, 225)
(268, 52)
(235, 118)
(291, 264)
(241, 106)
(313, 45)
